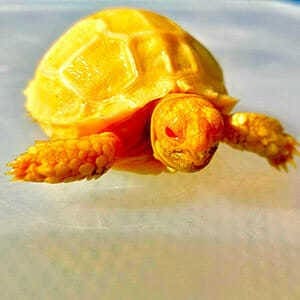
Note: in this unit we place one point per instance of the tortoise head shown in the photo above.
(185, 131)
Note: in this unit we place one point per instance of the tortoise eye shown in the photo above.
(170, 133)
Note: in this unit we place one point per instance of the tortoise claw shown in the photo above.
(287, 160)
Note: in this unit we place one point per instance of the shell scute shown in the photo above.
(73, 39)
(49, 97)
(151, 55)
(122, 20)
(100, 69)
(182, 58)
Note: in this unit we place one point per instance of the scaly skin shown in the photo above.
(57, 161)
(262, 135)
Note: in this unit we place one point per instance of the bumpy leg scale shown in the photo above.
(262, 135)
(57, 161)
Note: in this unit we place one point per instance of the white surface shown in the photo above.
(231, 231)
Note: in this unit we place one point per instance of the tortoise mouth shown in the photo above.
(184, 159)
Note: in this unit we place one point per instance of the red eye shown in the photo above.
(170, 133)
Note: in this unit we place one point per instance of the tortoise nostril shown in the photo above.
(170, 133)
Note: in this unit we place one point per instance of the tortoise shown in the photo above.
(129, 88)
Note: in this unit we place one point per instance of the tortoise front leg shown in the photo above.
(262, 135)
(56, 161)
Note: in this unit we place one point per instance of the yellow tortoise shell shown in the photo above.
(112, 63)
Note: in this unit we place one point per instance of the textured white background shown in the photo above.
(231, 231)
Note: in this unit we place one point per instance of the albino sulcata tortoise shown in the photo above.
(131, 89)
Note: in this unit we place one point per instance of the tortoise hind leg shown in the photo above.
(262, 135)
(67, 160)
